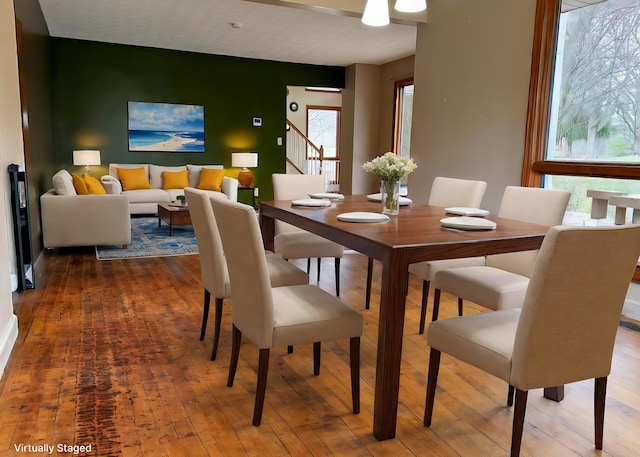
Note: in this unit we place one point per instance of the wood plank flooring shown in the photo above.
(108, 355)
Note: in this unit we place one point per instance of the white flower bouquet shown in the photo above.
(390, 167)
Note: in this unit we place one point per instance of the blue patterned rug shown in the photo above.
(149, 240)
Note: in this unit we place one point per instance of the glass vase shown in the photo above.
(390, 193)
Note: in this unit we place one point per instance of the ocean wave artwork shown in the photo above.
(166, 127)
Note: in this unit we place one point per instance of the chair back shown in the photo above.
(534, 205)
(447, 192)
(212, 264)
(252, 308)
(572, 308)
(292, 187)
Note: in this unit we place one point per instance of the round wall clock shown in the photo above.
(293, 106)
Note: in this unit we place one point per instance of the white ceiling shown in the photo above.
(267, 31)
(286, 31)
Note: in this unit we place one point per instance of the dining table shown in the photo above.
(415, 234)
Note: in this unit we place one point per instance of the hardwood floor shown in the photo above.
(108, 355)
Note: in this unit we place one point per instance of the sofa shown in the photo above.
(145, 200)
(69, 219)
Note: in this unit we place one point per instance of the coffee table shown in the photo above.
(173, 214)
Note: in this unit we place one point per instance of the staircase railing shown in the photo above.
(304, 157)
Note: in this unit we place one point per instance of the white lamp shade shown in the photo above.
(244, 159)
(411, 6)
(376, 13)
(86, 157)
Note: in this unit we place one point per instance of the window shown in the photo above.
(593, 130)
(403, 109)
(323, 129)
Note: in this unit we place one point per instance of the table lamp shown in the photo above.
(86, 157)
(245, 160)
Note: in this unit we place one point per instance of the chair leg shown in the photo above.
(336, 267)
(319, 260)
(218, 322)
(289, 349)
(316, 358)
(460, 304)
(205, 313)
(354, 358)
(236, 339)
(308, 265)
(423, 309)
(432, 381)
(600, 394)
(367, 300)
(261, 387)
(512, 390)
(518, 421)
(436, 304)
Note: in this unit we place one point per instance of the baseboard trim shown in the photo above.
(7, 340)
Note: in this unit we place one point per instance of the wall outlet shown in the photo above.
(255, 192)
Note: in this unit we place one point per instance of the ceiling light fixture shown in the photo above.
(376, 13)
(411, 6)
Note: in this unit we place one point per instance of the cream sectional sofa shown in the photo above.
(145, 201)
(69, 219)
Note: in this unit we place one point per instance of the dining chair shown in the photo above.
(445, 192)
(278, 316)
(501, 282)
(213, 269)
(294, 243)
(565, 330)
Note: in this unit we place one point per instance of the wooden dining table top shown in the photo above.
(416, 230)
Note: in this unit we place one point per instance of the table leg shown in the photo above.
(392, 306)
(268, 229)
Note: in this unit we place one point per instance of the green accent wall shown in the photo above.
(92, 83)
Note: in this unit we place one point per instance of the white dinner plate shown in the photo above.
(378, 197)
(359, 216)
(310, 202)
(327, 195)
(468, 223)
(461, 211)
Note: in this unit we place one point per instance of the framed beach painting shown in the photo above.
(166, 127)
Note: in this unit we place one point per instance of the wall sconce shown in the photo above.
(244, 160)
(86, 157)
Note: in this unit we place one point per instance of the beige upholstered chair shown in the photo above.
(502, 281)
(448, 192)
(445, 192)
(213, 268)
(565, 330)
(282, 315)
(294, 243)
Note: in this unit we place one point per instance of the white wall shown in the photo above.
(472, 68)
(11, 151)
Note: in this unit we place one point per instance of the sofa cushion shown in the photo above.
(194, 173)
(93, 185)
(133, 178)
(79, 185)
(147, 196)
(63, 183)
(211, 179)
(155, 174)
(175, 179)
(114, 166)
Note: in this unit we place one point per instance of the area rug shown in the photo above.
(149, 240)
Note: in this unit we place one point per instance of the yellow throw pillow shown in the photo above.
(94, 186)
(175, 179)
(133, 178)
(79, 185)
(211, 179)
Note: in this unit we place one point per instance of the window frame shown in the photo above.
(535, 166)
(397, 112)
(338, 111)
